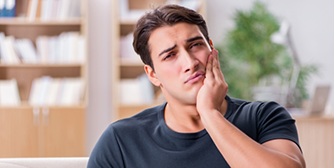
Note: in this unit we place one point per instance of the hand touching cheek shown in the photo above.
(212, 93)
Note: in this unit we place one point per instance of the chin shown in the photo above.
(188, 97)
(192, 98)
(192, 101)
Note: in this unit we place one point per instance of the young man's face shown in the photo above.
(179, 54)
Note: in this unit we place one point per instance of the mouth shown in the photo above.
(195, 77)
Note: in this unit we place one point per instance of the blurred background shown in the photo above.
(70, 68)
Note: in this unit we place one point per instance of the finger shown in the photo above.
(209, 67)
(217, 71)
(216, 54)
(216, 68)
(218, 75)
(214, 62)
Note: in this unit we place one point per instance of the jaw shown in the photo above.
(181, 96)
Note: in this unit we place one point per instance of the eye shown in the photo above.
(168, 56)
(197, 44)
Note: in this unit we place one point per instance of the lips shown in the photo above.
(195, 77)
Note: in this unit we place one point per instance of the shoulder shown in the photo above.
(258, 108)
(144, 118)
(108, 151)
(262, 121)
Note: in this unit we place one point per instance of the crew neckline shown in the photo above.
(179, 135)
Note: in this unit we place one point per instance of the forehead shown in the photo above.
(168, 36)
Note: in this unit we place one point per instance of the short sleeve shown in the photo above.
(274, 122)
(106, 152)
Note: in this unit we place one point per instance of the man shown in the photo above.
(199, 125)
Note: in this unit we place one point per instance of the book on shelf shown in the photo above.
(129, 92)
(26, 50)
(127, 52)
(8, 54)
(34, 92)
(9, 93)
(190, 4)
(47, 10)
(2, 8)
(54, 91)
(81, 51)
(71, 92)
(7, 8)
(127, 14)
(10, 7)
(146, 89)
(68, 47)
(136, 91)
(42, 48)
(33, 9)
(47, 91)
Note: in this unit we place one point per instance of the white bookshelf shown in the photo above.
(22, 124)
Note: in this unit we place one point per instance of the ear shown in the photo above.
(211, 44)
(151, 75)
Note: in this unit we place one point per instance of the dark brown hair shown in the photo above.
(167, 15)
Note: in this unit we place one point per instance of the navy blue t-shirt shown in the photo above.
(145, 141)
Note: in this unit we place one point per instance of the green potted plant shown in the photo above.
(249, 59)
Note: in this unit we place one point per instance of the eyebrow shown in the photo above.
(188, 40)
(195, 38)
(167, 50)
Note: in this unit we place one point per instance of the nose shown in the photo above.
(190, 62)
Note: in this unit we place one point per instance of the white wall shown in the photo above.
(99, 71)
(312, 29)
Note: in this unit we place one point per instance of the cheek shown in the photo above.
(169, 71)
(203, 57)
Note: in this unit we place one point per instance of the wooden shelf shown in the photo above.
(131, 64)
(128, 22)
(25, 22)
(59, 131)
(140, 105)
(41, 65)
(316, 139)
(314, 118)
(27, 106)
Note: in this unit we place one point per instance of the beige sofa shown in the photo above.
(43, 162)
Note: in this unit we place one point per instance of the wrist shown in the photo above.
(209, 114)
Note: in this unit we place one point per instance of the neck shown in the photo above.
(185, 118)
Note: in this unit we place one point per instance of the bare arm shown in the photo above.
(237, 148)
